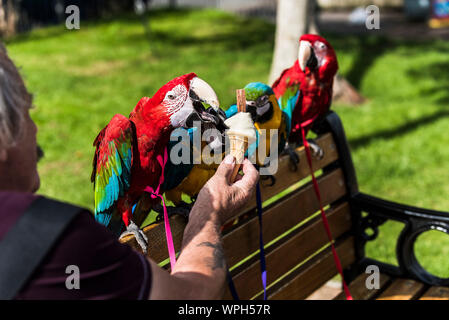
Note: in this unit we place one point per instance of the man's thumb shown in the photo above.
(226, 167)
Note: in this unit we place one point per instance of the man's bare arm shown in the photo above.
(200, 271)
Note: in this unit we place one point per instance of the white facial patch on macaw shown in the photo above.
(320, 52)
(178, 105)
(320, 45)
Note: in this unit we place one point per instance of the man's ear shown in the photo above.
(3, 155)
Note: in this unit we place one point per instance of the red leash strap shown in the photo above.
(323, 214)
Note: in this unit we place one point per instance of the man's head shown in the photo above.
(18, 156)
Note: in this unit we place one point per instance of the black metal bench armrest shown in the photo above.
(396, 211)
(416, 220)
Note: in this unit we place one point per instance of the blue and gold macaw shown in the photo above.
(264, 108)
(201, 172)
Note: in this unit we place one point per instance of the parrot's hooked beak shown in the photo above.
(260, 109)
(200, 90)
(306, 56)
(201, 93)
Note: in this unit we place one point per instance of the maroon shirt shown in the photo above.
(108, 268)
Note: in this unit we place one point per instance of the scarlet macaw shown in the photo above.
(307, 87)
(127, 149)
(304, 91)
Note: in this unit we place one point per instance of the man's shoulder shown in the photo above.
(10, 199)
(107, 268)
(13, 205)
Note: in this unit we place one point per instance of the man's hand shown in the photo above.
(200, 271)
(223, 197)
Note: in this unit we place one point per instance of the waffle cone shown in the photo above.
(238, 147)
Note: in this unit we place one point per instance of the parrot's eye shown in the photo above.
(321, 45)
(171, 96)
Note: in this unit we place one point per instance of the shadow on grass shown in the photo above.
(370, 48)
(439, 72)
(243, 34)
(398, 131)
(48, 31)
(52, 32)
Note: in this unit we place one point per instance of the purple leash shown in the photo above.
(263, 267)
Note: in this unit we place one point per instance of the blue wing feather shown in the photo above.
(112, 166)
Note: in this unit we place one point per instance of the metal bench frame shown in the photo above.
(416, 220)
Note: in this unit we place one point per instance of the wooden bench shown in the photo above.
(298, 255)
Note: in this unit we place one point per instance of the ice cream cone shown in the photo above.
(241, 130)
(238, 147)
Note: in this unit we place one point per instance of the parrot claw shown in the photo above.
(317, 151)
(183, 210)
(294, 158)
(269, 177)
(141, 238)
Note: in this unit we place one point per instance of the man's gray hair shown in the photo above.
(14, 101)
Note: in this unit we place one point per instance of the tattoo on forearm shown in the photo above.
(217, 260)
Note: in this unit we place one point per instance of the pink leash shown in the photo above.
(156, 194)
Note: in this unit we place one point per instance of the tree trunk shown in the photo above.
(293, 19)
(9, 16)
(291, 23)
(345, 93)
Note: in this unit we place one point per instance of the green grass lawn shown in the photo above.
(398, 137)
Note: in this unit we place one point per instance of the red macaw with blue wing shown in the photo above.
(304, 91)
(128, 150)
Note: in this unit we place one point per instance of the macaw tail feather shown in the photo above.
(111, 220)
(103, 218)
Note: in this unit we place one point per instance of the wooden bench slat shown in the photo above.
(359, 291)
(436, 293)
(285, 177)
(279, 218)
(289, 254)
(246, 236)
(402, 289)
(313, 274)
